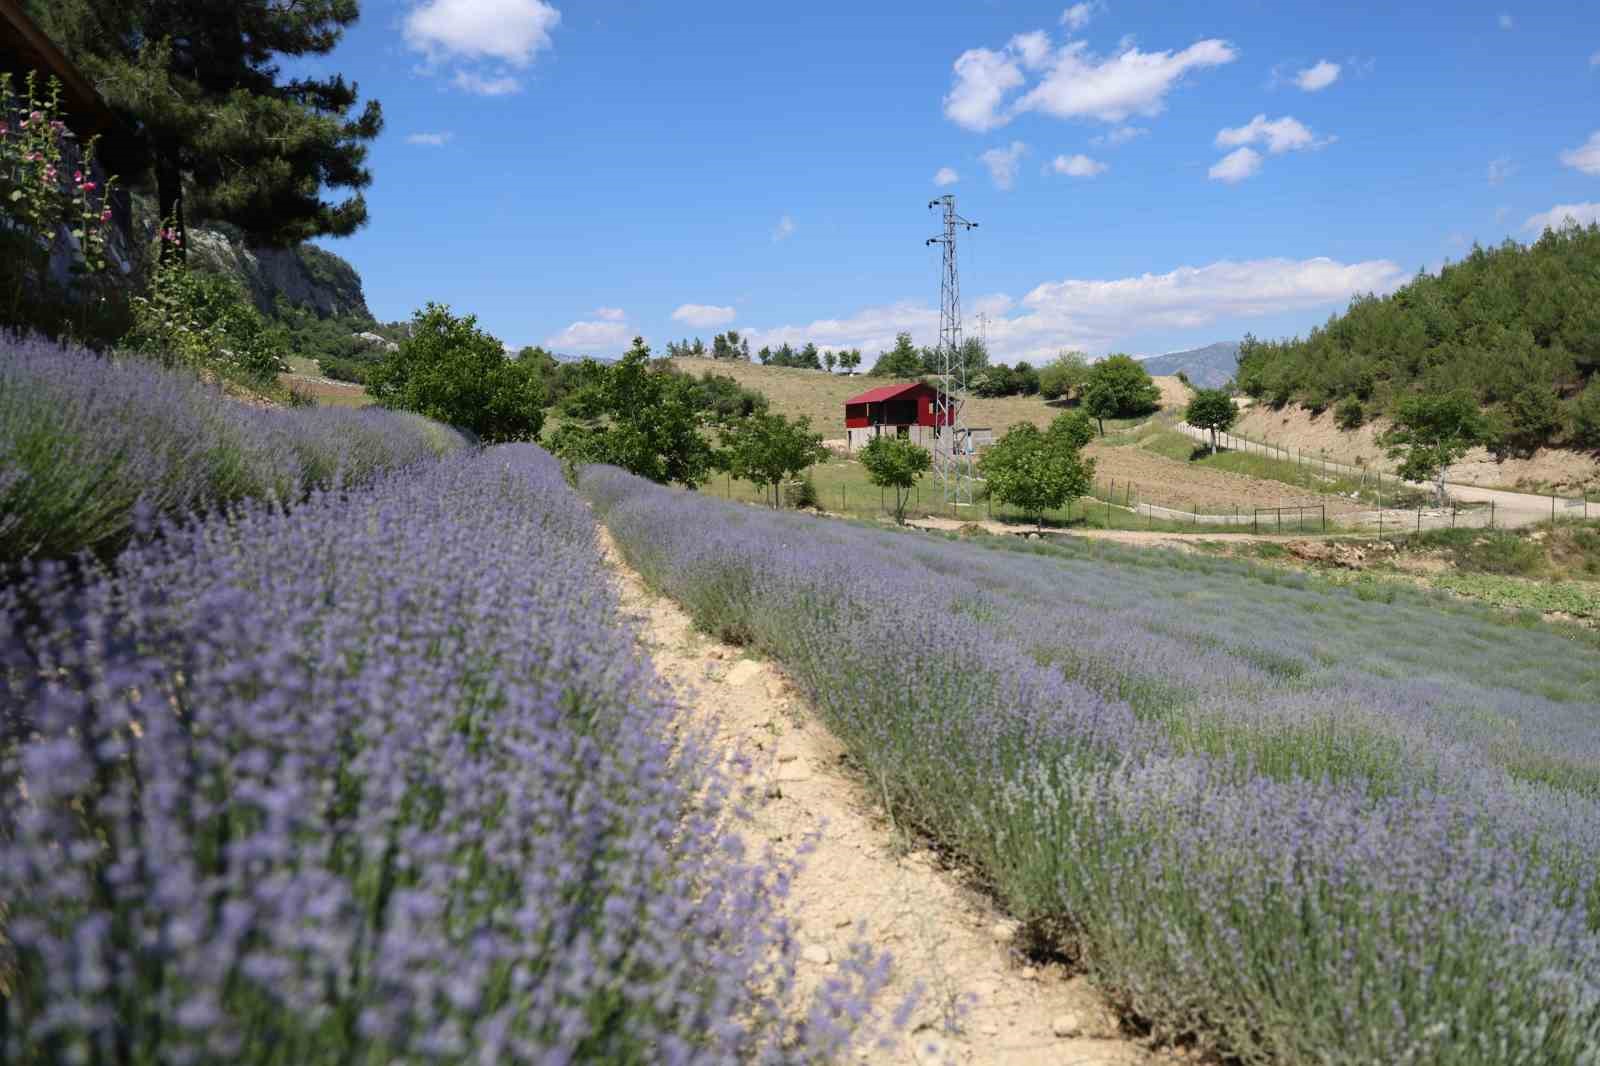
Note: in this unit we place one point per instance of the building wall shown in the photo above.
(857, 437)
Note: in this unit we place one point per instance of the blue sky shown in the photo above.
(1148, 176)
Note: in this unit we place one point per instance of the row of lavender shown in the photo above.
(90, 446)
(1308, 827)
(380, 778)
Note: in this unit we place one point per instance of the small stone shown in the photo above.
(1066, 1025)
(816, 954)
(1033, 536)
(715, 653)
(1004, 932)
(788, 756)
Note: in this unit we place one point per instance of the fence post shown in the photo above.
(1419, 519)
(1380, 519)
(1552, 510)
(1280, 520)
(1324, 518)
(1491, 514)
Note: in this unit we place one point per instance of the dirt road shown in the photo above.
(982, 1002)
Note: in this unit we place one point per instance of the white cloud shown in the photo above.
(703, 316)
(431, 140)
(1317, 76)
(1582, 214)
(1506, 22)
(983, 78)
(1077, 16)
(590, 337)
(784, 229)
(1077, 166)
(1083, 85)
(1187, 298)
(1280, 135)
(1585, 157)
(482, 85)
(1501, 169)
(1235, 166)
(496, 36)
(946, 176)
(1075, 83)
(1594, 60)
(1094, 315)
(1119, 135)
(1032, 48)
(871, 329)
(1002, 163)
(611, 314)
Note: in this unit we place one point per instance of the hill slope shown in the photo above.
(821, 396)
(1517, 327)
(1210, 367)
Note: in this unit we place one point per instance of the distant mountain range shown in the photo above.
(1207, 368)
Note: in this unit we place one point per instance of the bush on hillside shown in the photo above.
(204, 322)
(92, 446)
(1584, 415)
(1502, 325)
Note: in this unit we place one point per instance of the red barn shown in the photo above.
(908, 410)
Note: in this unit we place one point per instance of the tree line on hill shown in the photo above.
(1515, 328)
(731, 346)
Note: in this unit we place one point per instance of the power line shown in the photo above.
(951, 457)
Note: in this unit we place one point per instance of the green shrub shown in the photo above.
(204, 322)
(1350, 414)
(1583, 416)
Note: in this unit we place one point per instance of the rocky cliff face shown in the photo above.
(305, 276)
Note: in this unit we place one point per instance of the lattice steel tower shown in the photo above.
(952, 458)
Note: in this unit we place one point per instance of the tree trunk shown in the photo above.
(1102, 426)
(169, 199)
(1213, 441)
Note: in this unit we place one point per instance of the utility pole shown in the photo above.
(950, 458)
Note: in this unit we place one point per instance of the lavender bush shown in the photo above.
(382, 778)
(86, 443)
(1308, 828)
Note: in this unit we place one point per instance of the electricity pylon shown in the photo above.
(952, 459)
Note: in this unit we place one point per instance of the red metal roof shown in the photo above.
(888, 392)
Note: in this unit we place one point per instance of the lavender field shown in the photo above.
(380, 778)
(1304, 826)
(91, 446)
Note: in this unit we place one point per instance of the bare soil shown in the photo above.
(982, 1002)
(1295, 427)
(1186, 486)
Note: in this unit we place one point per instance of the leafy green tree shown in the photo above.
(727, 345)
(1532, 417)
(767, 450)
(1584, 415)
(901, 361)
(1433, 431)
(764, 355)
(1212, 409)
(849, 361)
(1062, 375)
(225, 135)
(1073, 428)
(896, 463)
(632, 415)
(1037, 471)
(1026, 379)
(828, 360)
(1119, 387)
(453, 372)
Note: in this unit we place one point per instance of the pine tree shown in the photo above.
(225, 139)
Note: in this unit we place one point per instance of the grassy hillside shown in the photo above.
(1518, 327)
(821, 396)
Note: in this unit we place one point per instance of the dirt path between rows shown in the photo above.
(983, 1002)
